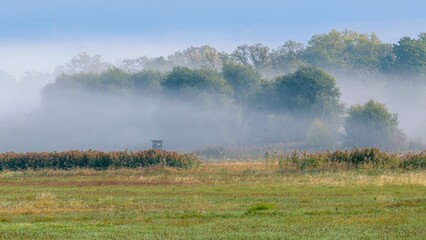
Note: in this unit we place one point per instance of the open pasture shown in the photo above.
(212, 201)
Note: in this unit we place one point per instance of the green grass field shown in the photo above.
(213, 201)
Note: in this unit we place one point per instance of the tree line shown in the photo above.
(302, 109)
(283, 95)
(336, 51)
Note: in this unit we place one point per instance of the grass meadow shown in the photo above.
(251, 200)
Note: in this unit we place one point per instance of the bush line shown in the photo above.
(348, 159)
(95, 160)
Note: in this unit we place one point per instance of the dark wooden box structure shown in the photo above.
(157, 144)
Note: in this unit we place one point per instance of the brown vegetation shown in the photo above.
(95, 160)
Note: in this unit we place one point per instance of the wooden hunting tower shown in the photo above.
(157, 144)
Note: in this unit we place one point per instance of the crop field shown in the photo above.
(212, 201)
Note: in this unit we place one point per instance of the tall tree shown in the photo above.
(410, 55)
(288, 57)
(243, 79)
(257, 55)
(372, 125)
(326, 50)
(147, 81)
(292, 102)
(310, 91)
(204, 57)
(84, 63)
(345, 50)
(184, 81)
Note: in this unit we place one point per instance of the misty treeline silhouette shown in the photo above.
(303, 107)
(334, 51)
(252, 96)
(342, 51)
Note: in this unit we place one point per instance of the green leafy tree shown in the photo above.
(76, 81)
(345, 50)
(326, 50)
(205, 57)
(309, 91)
(243, 79)
(363, 51)
(184, 81)
(115, 79)
(241, 55)
(410, 55)
(147, 81)
(288, 57)
(112, 80)
(257, 55)
(292, 102)
(372, 125)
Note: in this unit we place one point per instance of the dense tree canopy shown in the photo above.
(293, 101)
(336, 51)
(309, 90)
(372, 125)
(243, 79)
(346, 50)
(185, 80)
(409, 55)
(287, 92)
(288, 57)
(147, 81)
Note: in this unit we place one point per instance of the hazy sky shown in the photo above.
(40, 34)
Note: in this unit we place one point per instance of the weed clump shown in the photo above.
(414, 161)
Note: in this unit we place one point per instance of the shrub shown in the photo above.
(413, 161)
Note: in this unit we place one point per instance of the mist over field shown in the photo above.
(212, 119)
(408, 101)
(293, 97)
(113, 75)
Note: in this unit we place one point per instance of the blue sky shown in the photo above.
(268, 20)
(73, 26)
